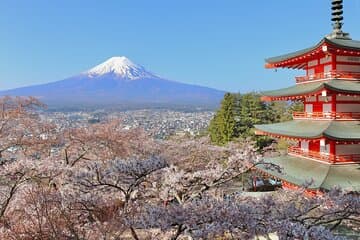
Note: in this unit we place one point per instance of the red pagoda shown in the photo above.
(327, 132)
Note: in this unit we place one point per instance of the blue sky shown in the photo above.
(220, 44)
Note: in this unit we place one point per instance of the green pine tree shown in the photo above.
(222, 126)
(251, 111)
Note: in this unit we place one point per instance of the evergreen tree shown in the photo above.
(280, 111)
(222, 126)
(214, 130)
(251, 110)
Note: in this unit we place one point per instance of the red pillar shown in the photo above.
(333, 62)
(332, 149)
(333, 103)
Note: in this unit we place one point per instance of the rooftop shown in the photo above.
(350, 45)
(312, 129)
(299, 171)
(341, 86)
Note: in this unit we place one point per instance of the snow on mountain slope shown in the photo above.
(121, 67)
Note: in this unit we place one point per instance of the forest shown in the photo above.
(106, 182)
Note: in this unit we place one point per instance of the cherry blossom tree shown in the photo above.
(105, 182)
(291, 216)
(125, 182)
(107, 140)
(21, 139)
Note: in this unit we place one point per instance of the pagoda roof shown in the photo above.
(300, 171)
(341, 86)
(312, 129)
(351, 45)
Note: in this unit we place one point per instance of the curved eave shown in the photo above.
(287, 60)
(343, 130)
(312, 88)
(344, 44)
(322, 176)
(342, 86)
(296, 129)
(310, 129)
(296, 59)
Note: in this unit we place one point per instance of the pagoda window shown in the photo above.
(327, 109)
(324, 147)
(311, 71)
(325, 98)
(347, 107)
(325, 59)
(313, 63)
(348, 59)
(348, 68)
(304, 145)
(347, 98)
(311, 99)
(343, 149)
(327, 70)
(308, 108)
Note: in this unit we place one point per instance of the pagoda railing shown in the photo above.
(327, 115)
(325, 157)
(331, 74)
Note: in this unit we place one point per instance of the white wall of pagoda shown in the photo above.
(319, 65)
(328, 63)
(348, 98)
(334, 103)
(342, 149)
(347, 68)
(327, 150)
(347, 107)
(347, 63)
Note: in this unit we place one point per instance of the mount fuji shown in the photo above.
(119, 81)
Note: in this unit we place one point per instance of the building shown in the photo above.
(327, 132)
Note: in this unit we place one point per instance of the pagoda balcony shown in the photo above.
(327, 75)
(324, 157)
(327, 115)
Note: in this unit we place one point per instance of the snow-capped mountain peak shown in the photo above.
(121, 67)
(118, 82)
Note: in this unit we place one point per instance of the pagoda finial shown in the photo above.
(337, 17)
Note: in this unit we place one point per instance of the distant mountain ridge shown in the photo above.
(119, 81)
